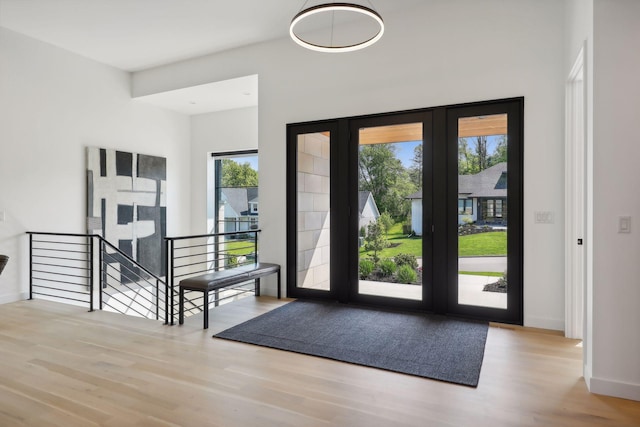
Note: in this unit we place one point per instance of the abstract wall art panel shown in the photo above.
(126, 204)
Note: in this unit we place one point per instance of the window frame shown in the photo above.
(464, 207)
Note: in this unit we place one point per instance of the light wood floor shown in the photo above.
(63, 366)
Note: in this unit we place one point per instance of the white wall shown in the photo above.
(416, 216)
(223, 131)
(616, 150)
(443, 52)
(53, 104)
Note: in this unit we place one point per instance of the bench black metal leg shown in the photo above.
(279, 284)
(206, 310)
(216, 295)
(181, 307)
(257, 287)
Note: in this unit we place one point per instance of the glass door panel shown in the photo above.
(390, 181)
(482, 211)
(313, 211)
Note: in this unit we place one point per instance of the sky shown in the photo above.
(252, 160)
(404, 152)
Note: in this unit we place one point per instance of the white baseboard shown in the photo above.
(586, 373)
(5, 299)
(614, 388)
(544, 323)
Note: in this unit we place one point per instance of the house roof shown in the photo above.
(238, 198)
(363, 197)
(416, 195)
(491, 182)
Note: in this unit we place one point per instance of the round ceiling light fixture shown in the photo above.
(332, 8)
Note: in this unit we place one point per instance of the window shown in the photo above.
(465, 206)
(233, 191)
(494, 208)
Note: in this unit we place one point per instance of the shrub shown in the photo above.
(366, 268)
(387, 267)
(406, 274)
(503, 281)
(231, 261)
(406, 259)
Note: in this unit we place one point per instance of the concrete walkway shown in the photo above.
(469, 291)
(483, 263)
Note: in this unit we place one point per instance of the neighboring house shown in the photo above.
(239, 208)
(482, 198)
(367, 209)
(416, 212)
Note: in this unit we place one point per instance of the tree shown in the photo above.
(415, 172)
(382, 173)
(386, 221)
(481, 153)
(375, 240)
(466, 160)
(238, 175)
(395, 201)
(499, 155)
(474, 157)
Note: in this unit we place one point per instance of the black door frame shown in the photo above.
(514, 108)
(426, 118)
(440, 155)
(338, 213)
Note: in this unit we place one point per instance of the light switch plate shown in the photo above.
(543, 217)
(624, 224)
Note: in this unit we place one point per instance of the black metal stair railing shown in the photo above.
(188, 256)
(62, 268)
(77, 268)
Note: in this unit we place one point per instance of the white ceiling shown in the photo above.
(229, 94)
(137, 34)
(134, 35)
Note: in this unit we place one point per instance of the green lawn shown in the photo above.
(482, 273)
(405, 245)
(238, 248)
(482, 244)
(492, 243)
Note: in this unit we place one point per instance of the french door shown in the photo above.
(419, 210)
(390, 200)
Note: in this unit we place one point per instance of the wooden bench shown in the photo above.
(218, 280)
